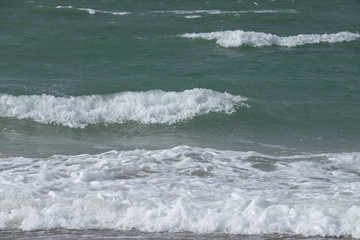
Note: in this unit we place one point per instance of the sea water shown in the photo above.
(196, 117)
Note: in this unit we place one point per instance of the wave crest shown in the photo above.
(257, 39)
(94, 11)
(144, 107)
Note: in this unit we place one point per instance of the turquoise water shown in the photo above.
(278, 78)
(304, 97)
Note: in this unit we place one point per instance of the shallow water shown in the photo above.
(133, 234)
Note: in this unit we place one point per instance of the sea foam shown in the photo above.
(144, 107)
(94, 11)
(184, 188)
(257, 39)
(221, 12)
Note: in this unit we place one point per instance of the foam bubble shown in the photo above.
(257, 39)
(184, 189)
(143, 107)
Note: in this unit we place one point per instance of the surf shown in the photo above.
(151, 107)
(239, 38)
(184, 189)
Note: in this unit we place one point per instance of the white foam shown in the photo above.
(184, 189)
(192, 16)
(89, 10)
(220, 12)
(276, 11)
(187, 12)
(184, 12)
(63, 7)
(257, 39)
(143, 107)
(94, 11)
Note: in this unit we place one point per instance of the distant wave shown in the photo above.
(181, 12)
(218, 12)
(185, 188)
(94, 11)
(192, 16)
(144, 107)
(257, 39)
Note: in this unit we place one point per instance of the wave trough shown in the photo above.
(144, 107)
(258, 39)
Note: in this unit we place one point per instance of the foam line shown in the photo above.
(219, 12)
(94, 11)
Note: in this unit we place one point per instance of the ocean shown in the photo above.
(158, 119)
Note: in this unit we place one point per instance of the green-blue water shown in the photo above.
(277, 77)
(304, 97)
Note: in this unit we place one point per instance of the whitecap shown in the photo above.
(63, 7)
(257, 39)
(144, 107)
(221, 12)
(94, 11)
(192, 16)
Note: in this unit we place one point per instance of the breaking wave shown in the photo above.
(257, 39)
(184, 188)
(144, 107)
